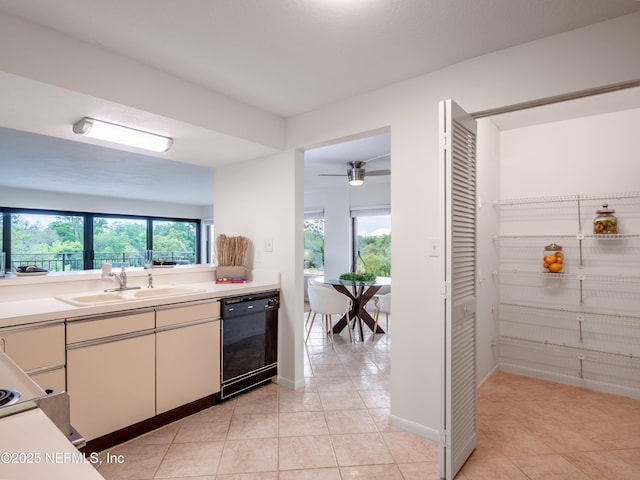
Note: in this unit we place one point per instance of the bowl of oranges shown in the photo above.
(553, 258)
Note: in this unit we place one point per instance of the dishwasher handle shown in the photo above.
(248, 307)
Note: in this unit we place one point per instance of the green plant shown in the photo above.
(357, 277)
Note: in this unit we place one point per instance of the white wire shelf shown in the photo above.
(592, 236)
(565, 198)
(609, 279)
(580, 353)
(571, 314)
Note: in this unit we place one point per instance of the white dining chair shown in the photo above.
(318, 283)
(383, 305)
(328, 302)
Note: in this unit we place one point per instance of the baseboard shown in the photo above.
(597, 386)
(491, 373)
(415, 428)
(290, 384)
(132, 431)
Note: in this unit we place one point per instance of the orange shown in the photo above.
(545, 265)
(555, 267)
(550, 259)
(558, 260)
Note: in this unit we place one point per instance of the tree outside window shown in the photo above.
(52, 242)
(373, 243)
(119, 240)
(174, 241)
(314, 246)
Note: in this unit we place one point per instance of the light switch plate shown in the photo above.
(268, 245)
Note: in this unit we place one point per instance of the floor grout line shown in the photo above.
(506, 448)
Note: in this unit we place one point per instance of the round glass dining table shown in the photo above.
(360, 293)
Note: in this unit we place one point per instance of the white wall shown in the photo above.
(24, 198)
(595, 154)
(337, 244)
(573, 61)
(263, 200)
(488, 190)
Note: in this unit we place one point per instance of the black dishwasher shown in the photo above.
(249, 341)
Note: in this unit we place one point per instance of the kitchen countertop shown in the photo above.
(31, 446)
(23, 312)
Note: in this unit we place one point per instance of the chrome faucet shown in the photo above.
(122, 281)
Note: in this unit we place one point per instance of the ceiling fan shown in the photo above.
(356, 171)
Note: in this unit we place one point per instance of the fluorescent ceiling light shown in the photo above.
(90, 127)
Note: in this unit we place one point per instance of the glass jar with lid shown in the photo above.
(605, 221)
(553, 260)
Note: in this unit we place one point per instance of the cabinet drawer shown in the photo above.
(189, 313)
(33, 348)
(108, 326)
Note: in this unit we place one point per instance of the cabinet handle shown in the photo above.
(103, 340)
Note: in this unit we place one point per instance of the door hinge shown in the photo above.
(445, 289)
(445, 140)
(445, 439)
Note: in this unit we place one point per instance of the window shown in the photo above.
(65, 241)
(174, 241)
(119, 241)
(372, 240)
(314, 242)
(51, 241)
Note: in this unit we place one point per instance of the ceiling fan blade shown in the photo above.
(384, 155)
(377, 173)
(332, 174)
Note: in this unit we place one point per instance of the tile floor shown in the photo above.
(337, 428)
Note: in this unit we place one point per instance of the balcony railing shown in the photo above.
(62, 262)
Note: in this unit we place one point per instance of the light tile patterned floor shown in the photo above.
(337, 428)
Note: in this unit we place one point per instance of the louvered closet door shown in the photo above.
(458, 155)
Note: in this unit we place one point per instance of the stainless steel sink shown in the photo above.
(125, 296)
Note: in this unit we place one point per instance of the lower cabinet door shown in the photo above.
(111, 385)
(188, 364)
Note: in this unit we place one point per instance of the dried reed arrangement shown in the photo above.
(231, 251)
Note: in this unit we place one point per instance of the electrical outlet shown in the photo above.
(268, 245)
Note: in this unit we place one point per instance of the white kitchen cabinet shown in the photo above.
(39, 349)
(580, 326)
(187, 353)
(111, 371)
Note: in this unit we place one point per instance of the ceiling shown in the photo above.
(283, 56)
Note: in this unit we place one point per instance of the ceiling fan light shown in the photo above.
(356, 176)
(110, 132)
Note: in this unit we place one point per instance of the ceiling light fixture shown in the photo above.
(90, 127)
(356, 176)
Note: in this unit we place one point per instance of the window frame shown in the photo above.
(88, 219)
(383, 210)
